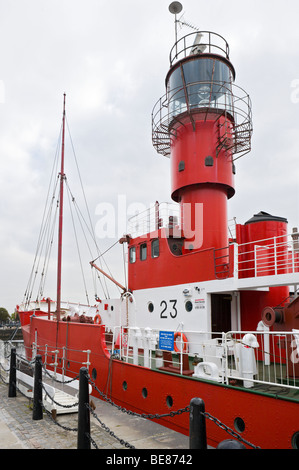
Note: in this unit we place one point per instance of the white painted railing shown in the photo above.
(245, 358)
(159, 215)
(165, 215)
(69, 307)
(269, 256)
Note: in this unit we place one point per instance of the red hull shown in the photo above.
(270, 421)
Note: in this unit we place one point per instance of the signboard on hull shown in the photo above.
(166, 340)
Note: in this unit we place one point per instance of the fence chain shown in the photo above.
(2, 367)
(227, 429)
(56, 403)
(129, 412)
(133, 413)
(64, 382)
(66, 428)
(172, 414)
(107, 429)
(92, 440)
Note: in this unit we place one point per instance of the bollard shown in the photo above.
(38, 390)
(230, 444)
(197, 431)
(83, 441)
(12, 388)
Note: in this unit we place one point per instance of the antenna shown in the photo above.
(175, 8)
(187, 23)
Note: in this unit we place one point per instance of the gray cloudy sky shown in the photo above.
(111, 59)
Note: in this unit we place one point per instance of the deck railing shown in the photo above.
(70, 307)
(268, 256)
(264, 257)
(159, 215)
(249, 359)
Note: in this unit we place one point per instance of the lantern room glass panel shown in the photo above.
(203, 82)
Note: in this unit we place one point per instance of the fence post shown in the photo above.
(197, 430)
(12, 388)
(230, 444)
(38, 390)
(83, 441)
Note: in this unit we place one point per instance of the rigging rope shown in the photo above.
(47, 233)
(82, 219)
(76, 238)
(90, 227)
(49, 245)
(34, 271)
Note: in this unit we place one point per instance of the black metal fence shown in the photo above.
(196, 410)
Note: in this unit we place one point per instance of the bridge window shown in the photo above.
(143, 252)
(132, 254)
(155, 248)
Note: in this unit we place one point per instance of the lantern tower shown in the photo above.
(203, 124)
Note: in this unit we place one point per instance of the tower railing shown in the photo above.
(223, 99)
(198, 42)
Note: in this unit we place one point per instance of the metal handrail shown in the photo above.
(275, 254)
(237, 110)
(276, 353)
(209, 39)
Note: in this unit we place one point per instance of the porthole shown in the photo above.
(150, 307)
(169, 401)
(144, 392)
(239, 424)
(295, 440)
(94, 374)
(188, 306)
(125, 385)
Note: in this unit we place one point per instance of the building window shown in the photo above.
(143, 252)
(132, 254)
(155, 248)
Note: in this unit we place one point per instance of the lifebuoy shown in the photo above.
(184, 342)
(97, 319)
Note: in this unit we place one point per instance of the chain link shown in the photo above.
(107, 429)
(66, 428)
(92, 440)
(172, 414)
(64, 382)
(133, 413)
(228, 429)
(56, 403)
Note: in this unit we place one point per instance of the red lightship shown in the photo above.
(209, 310)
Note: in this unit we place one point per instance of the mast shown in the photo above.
(62, 177)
